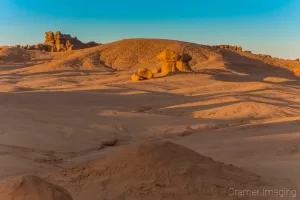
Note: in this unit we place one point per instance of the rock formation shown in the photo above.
(31, 187)
(49, 38)
(168, 59)
(69, 46)
(136, 77)
(59, 42)
(170, 62)
(182, 63)
(230, 47)
(297, 71)
(65, 42)
(141, 74)
(35, 47)
(264, 56)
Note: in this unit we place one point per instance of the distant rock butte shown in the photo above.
(59, 42)
(230, 47)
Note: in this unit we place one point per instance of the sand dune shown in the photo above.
(155, 170)
(32, 188)
(59, 110)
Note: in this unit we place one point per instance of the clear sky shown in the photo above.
(263, 26)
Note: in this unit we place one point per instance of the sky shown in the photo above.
(262, 26)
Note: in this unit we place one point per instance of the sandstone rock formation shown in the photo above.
(69, 46)
(182, 63)
(35, 47)
(170, 62)
(142, 74)
(65, 42)
(145, 73)
(49, 38)
(135, 77)
(31, 187)
(230, 47)
(297, 71)
(264, 56)
(168, 59)
(59, 42)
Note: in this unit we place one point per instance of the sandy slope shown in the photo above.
(155, 170)
(58, 109)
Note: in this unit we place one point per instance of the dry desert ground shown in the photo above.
(76, 119)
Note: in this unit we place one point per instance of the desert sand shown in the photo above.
(62, 110)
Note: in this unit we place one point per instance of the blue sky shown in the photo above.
(263, 26)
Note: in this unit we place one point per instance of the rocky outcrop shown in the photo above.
(142, 74)
(264, 56)
(35, 47)
(49, 38)
(59, 42)
(182, 64)
(230, 47)
(65, 42)
(297, 71)
(170, 62)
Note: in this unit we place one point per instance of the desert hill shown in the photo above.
(155, 170)
(120, 55)
(130, 54)
(29, 187)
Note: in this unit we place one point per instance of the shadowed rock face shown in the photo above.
(31, 187)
